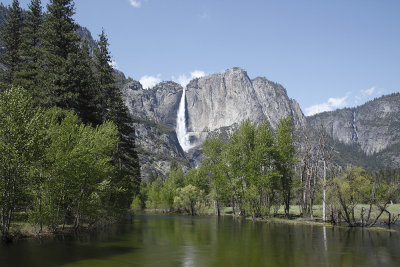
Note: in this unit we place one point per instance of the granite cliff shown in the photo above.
(368, 135)
(373, 126)
(215, 106)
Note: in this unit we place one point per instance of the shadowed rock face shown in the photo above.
(159, 104)
(375, 125)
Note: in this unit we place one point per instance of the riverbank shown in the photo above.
(296, 218)
(24, 230)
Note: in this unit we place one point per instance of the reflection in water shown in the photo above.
(155, 240)
(325, 241)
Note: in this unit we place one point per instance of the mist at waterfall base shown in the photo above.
(181, 130)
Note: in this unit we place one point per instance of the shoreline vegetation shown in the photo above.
(263, 173)
(24, 230)
(294, 218)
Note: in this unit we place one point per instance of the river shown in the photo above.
(171, 240)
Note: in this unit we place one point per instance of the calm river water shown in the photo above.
(168, 240)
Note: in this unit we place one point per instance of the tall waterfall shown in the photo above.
(181, 130)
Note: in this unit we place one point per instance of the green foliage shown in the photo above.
(245, 173)
(76, 165)
(11, 36)
(153, 195)
(20, 133)
(286, 158)
(114, 109)
(80, 161)
(354, 187)
(214, 167)
(30, 72)
(189, 199)
(60, 43)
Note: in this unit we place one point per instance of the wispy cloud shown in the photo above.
(149, 81)
(368, 94)
(184, 79)
(135, 3)
(332, 104)
(369, 91)
(113, 64)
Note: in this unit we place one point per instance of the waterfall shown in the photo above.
(181, 130)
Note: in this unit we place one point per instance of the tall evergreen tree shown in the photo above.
(60, 41)
(11, 37)
(31, 51)
(114, 110)
(80, 67)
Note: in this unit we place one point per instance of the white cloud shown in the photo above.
(338, 102)
(317, 109)
(184, 80)
(113, 64)
(331, 104)
(369, 91)
(135, 3)
(149, 82)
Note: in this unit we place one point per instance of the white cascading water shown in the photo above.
(181, 130)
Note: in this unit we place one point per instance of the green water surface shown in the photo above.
(169, 240)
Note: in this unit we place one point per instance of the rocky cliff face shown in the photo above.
(215, 106)
(218, 103)
(154, 112)
(159, 104)
(375, 126)
(226, 99)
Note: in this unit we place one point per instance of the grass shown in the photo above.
(317, 211)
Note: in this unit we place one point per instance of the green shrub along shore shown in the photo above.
(266, 173)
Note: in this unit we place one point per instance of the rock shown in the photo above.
(222, 100)
(159, 104)
(375, 126)
(215, 106)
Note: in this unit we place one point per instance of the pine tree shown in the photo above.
(31, 51)
(80, 67)
(114, 110)
(60, 41)
(11, 37)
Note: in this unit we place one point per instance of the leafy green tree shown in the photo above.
(240, 149)
(349, 189)
(20, 132)
(215, 168)
(11, 36)
(173, 181)
(286, 158)
(188, 199)
(154, 194)
(265, 176)
(80, 159)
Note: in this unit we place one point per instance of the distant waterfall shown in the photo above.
(181, 130)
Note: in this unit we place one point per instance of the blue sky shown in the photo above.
(327, 54)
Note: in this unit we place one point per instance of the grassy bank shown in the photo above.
(297, 218)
